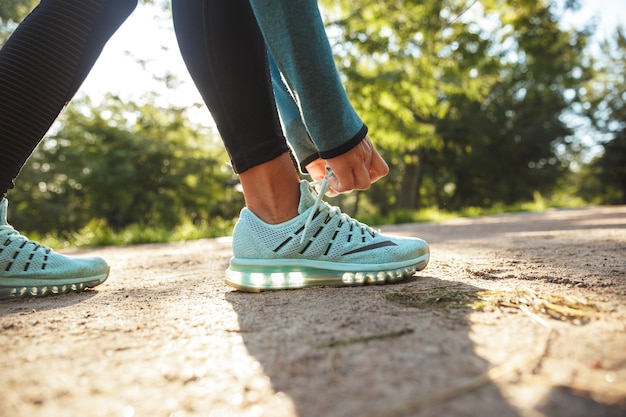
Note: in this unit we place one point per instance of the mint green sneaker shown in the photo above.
(320, 247)
(28, 268)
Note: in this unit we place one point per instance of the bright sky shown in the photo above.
(148, 35)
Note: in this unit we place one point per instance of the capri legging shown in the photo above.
(50, 54)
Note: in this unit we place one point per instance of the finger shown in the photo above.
(378, 168)
(362, 180)
(334, 184)
(316, 169)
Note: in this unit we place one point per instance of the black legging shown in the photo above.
(50, 54)
(225, 54)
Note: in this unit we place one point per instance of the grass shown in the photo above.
(434, 214)
(457, 298)
(98, 233)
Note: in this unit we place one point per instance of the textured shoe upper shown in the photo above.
(24, 258)
(330, 236)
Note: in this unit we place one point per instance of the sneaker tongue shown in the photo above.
(307, 200)
(3, 211)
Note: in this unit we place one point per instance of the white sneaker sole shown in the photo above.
(256, 275)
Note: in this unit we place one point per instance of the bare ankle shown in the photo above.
(272, 190)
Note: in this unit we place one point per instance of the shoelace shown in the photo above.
(8, 234)
(324, 185)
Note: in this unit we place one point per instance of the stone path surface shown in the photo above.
(516, 315)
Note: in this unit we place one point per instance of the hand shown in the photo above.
(317, 169)
(356, 169)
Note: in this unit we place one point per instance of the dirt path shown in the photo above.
(517, 315)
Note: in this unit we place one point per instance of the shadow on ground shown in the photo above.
(352, 352)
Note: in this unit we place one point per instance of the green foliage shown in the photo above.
(98, 233)
(11, 13)
(604, 180)
(15, 10)
(435, 214)
(125, 164)
(466, 98)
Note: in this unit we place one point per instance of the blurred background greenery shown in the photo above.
(480, 107)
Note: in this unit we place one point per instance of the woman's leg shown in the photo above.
(297, 40)
(226, 57)
(285, 237)
(296, 37)
(42, 65)
(297, 134)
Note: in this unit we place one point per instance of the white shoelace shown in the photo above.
(324, 186)
(323, 183)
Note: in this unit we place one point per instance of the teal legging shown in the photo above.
(297, 41)
(291, 118)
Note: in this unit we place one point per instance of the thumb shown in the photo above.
(334, 183)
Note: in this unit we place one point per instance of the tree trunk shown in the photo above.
(408, 195)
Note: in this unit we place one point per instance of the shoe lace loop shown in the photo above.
(323, 188)
(8, 234)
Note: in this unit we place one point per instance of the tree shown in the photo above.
(125, 163)
(11, 13)
(15, 10)
(465, 98)
(606, 108)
